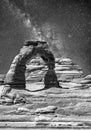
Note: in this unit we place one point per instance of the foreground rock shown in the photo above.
(46, 110)
(54, 107)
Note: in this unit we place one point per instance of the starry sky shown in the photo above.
(69, 19)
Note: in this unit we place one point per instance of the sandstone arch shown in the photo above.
(15, 77)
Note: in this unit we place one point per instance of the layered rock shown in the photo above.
(43, 68)
(67, 72)
(49, 109)
(16, 74)
(65, 69)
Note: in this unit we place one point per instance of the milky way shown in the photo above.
(70, 19)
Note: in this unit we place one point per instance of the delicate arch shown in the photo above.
(15, 77)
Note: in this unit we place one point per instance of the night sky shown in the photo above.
(68, 21)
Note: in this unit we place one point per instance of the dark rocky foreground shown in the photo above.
(53, 108)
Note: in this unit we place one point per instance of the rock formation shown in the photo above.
(16, 74)
(15, 77)
(65, 69)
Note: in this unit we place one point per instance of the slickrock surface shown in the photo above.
(68, 108)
